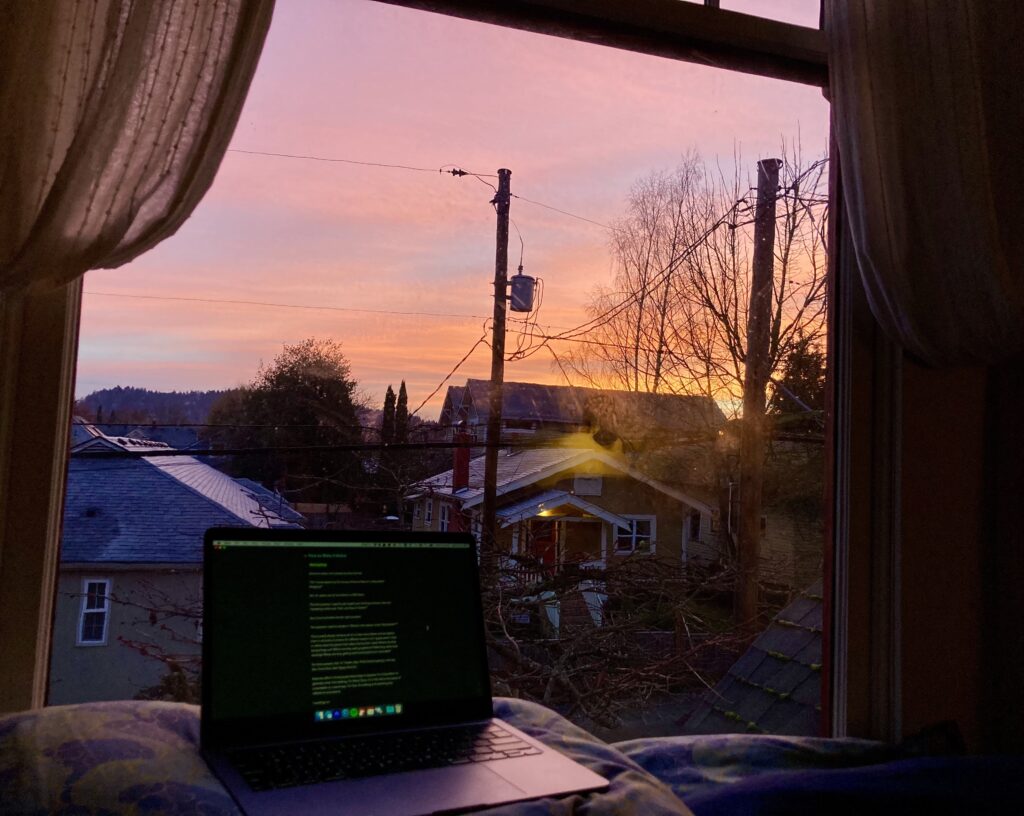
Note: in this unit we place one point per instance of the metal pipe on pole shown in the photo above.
(488, 532)
(755, 385)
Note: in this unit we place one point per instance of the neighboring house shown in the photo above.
(179, 437)
(673, 440)
(131, 561)
(532, 408)
(564, 505)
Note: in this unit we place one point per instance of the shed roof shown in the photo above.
(775, 686)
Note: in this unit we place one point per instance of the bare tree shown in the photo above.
(674, 318)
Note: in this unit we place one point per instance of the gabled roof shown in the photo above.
(523, 467)
(550, 501)
(775, 686)
(570, 405)
(452, 404)
(151, 509)
(271, 500)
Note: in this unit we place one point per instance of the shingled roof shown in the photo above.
(151, 509)
(519, 468)
(570, 405)
(775, 686)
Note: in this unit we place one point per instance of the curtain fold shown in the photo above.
(928, 100)
(116, 117)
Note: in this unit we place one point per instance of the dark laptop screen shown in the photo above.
(310, 634)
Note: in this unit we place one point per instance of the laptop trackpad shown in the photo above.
(405, 794)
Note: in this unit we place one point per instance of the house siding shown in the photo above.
(115, 671)
(621, 495)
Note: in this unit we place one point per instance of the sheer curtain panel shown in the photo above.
(930, 122)
(116, 115)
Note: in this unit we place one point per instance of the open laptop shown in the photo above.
(347, 673)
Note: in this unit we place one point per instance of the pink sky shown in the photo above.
(575, 123)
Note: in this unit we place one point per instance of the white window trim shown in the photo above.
(444, 517)
(83, 611)
(632, 549)
(428, 516)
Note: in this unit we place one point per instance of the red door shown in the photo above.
(543, 544)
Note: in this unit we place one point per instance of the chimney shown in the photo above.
(460, 463)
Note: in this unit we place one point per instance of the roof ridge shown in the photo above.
(199, 493)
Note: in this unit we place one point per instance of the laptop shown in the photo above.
(346, 672)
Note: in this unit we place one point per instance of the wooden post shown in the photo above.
(488, 533)
(755, 384)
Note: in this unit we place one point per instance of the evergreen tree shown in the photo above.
(387, 422)
(402, 415)
(296, 409)
(798, 399)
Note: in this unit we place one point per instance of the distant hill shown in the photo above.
(140, 405)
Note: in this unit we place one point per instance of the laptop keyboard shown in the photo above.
(275, 767)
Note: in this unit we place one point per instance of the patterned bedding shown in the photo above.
(142, 758)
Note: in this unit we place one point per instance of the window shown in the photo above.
(649, 450)
(639, 537)
(694, 526)
(95, 611)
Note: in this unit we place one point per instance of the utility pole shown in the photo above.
(488, 550)
(755, 384)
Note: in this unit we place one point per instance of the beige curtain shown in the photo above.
(929, 106)
(115, 117)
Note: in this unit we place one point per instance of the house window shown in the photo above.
(586, 485)
(95, 612)
(694, 526)
(416, 512)
(638, 538)
(429, 518)
(445, 516)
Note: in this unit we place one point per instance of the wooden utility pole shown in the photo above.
(755, 384)
(502, 200)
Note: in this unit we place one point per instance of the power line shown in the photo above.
(269, 304)
(566, 212)
(454, 171)
(440, 385)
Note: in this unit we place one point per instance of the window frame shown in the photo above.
(428, 513)
(444, 516)
(84, 609)
(652, 537)
(39, 335)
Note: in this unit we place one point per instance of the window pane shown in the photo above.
(801, 12)
(319, 335)
(92, 626)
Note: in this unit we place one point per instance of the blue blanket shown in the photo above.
(142, 758)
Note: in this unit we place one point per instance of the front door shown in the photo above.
(543, 542)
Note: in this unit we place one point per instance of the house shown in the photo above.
(130, 576)
(179, 437)
(560, 505)
(532, 409)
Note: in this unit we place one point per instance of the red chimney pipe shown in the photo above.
(460, 463)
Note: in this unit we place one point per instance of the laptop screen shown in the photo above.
(311, 634)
